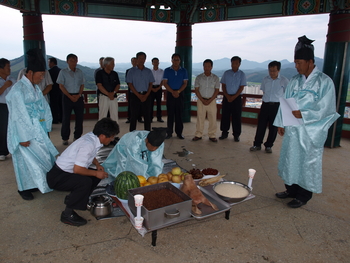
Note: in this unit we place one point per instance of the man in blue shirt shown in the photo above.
(175, 81)
(71, 81)
(273, 87)
(233, 82)
(140, 80)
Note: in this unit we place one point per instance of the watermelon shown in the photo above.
(125, 181)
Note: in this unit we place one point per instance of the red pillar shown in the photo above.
(337, 66)
(33, 34)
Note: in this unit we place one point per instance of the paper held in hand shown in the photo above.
(287, 106)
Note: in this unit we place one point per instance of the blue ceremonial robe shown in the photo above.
(131, 154)
(30, 119)
(302, 147)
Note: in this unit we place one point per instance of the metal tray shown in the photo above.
(208, 210)
(164, 216)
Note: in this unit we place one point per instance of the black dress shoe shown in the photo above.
(295, 203)
(168, 136)
(26, 195)
(128, 121)
(180, 137)
(283, 195)
(160, 120)
(73, 219)
(236, 139)
(222, 137)
(34, 190)
(140, 121)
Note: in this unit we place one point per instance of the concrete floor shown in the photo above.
(263, 229)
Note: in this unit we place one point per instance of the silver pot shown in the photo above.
(100, 206)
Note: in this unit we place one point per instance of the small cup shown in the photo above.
(251, 173)
(138, 200)
(138, 222)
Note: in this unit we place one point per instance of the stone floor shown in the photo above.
(263, 229)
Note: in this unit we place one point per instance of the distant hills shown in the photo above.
(255, 71)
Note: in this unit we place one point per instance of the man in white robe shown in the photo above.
(30, 120)
(300, 163)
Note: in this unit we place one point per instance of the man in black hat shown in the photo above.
(140, 152)
(300, 163)
(30, 120)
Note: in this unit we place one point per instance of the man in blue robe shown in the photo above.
(30, 120)
(140, 152)
(300, 163)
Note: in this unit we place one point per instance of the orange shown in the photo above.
(142, 179)
(147, 183)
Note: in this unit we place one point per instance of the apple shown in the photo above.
(169, 174)
(176, 171)
(176, 179)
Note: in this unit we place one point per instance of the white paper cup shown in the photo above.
(138, 200)
(138, 222)
(251, 173)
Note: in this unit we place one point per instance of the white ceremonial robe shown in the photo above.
(131, 154)
(30, 119)
(302, 147)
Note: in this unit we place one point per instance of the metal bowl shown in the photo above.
(232, 199)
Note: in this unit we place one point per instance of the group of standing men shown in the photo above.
(145, 86)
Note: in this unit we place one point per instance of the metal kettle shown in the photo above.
(100, 205)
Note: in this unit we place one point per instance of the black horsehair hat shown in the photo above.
(35, 60)
(304, 49)
(157, 136)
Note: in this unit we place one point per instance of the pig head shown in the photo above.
(190, 188)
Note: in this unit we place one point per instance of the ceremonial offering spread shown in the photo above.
(231, 191)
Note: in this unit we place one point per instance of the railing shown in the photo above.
(250, 109)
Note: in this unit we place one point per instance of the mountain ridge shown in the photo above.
(255, 71)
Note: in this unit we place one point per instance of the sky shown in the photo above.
(91, 38)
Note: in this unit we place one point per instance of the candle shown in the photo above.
(251, 176)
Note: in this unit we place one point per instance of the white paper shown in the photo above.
(287, 106)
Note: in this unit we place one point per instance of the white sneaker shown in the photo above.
(2, 157)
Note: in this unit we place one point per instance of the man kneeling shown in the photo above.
(71, 173)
